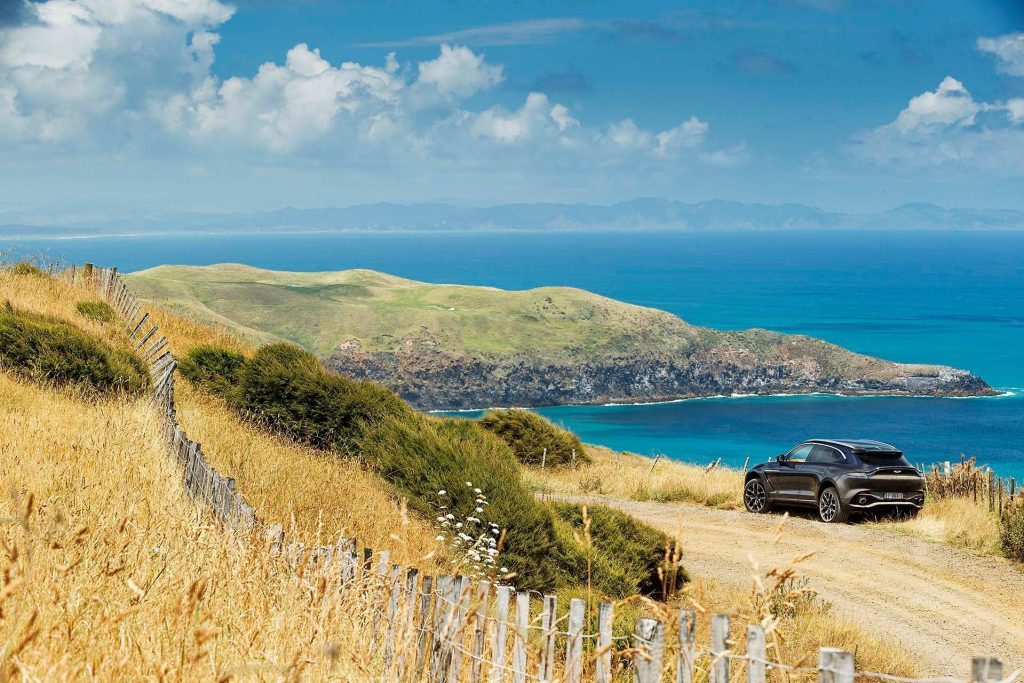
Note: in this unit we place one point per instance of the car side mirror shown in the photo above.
(780, 458)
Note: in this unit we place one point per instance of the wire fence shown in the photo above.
(451, 628)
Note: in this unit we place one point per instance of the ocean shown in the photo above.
(955, 298)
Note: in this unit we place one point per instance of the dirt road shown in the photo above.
(943, 604)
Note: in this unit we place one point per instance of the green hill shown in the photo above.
(455, 346)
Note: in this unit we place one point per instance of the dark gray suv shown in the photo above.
(839, 477)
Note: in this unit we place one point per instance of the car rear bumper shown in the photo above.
(865, 499)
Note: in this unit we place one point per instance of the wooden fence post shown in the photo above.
(442, 592)
(686, 658)
(549, 618)
(498, 644)
(392, 619)
(756, 652)
(649, 641)
(986, 670)
(461, 594)
(603, 673)
(574, 641)
(424, 626)
(407, 632)
(521, 635)
(483, 592)
(720, 648)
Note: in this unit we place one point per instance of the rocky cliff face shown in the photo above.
(431, 379)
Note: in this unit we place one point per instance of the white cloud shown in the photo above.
(689, 133)
(73, 62)
(948, 127)
(949, 104)
(284, 107)
(459, 71)
(1008, 49)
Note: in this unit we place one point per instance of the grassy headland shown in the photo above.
(452, 346)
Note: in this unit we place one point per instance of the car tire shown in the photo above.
(755, 496)
(830, 506)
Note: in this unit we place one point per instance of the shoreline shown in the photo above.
(1003, 392)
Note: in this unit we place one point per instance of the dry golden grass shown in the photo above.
(109, 572)
(626, 475)
(959, 522)
(315, 494)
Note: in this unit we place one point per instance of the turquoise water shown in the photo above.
(932, 297)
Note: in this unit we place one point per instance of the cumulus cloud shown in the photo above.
(66, 63)
(948, 127)
(137, 75)
(459, 71)
(1008, 50)
(949, 104)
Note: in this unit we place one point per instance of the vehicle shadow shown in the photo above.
(804, 512)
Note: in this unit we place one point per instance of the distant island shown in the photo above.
(457, 347)
(637, 214)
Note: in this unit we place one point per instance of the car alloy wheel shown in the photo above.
(754, 496)
(828, 505)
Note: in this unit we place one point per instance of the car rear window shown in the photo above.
(881, 458)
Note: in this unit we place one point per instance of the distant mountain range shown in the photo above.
(637, 214)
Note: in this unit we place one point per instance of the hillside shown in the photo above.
(453, 346)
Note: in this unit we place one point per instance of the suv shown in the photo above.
(837, 476)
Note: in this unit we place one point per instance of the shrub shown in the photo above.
(529, 435)
(1011, 531)
(290, 391)
(26, 268)
(97, 311)
(627, 556)
(213, 368)
(48, 349)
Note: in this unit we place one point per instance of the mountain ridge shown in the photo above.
(644, 213)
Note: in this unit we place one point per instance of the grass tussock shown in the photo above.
(97, 311)
(534, 439)
(958, 522)
(43, 339)
(626, 475)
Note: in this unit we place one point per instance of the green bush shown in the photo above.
(212, 368)
(288, 390)
(627, 556)
(48, 349)
(529, 435)
(1011, 531)
(97, 311)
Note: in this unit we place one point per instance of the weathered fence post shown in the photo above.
(649, 641)
(835, 666)
(483, 591)
(720, 648)
(686, 658)
(521, 635)
(574, 641)
(986, 670)
(462, 593)
(756, 653)
(501, 625)
(603, 673)
(442, 591)
(546, 669)
(424, 626)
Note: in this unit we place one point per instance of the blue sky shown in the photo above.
(115, 107)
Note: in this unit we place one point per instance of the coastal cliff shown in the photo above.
(454, 347)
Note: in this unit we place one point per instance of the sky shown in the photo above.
(114, 108)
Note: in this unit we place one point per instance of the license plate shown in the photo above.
(891, 495)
